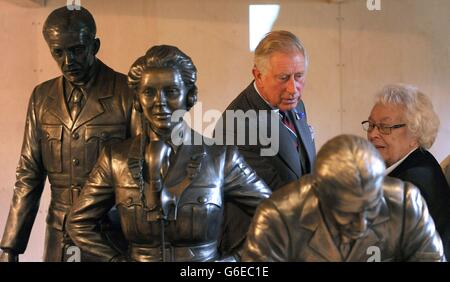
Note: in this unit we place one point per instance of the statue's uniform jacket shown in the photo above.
(64, 150)
(290, 227)
(198, 183)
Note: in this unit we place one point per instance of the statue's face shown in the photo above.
(352, 214)
(74, 52)
(161, 91)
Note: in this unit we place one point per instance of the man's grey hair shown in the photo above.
(348, 162)
(421, 120)
(277, 41)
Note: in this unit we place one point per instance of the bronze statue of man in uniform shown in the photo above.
(346, 210)
(170, 191)
(69, 120)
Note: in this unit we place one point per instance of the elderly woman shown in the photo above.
(403, 125)
(170, 193)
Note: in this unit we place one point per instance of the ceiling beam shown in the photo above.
(29, 3)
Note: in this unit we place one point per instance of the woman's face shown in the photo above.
(161, 92)
(396, 145)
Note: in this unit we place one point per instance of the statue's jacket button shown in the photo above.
(75, 161)
(202, 199)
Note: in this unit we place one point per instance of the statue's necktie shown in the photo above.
(345, 246)
(76, 102)
(157, 158)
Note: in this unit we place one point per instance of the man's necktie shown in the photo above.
(285, 120)
(75, 105)
(295, 140)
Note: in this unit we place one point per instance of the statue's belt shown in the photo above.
(65, 195)
(204, 252)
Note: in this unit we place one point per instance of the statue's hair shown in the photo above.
(70, 20)
(347, 162)
(163, 56)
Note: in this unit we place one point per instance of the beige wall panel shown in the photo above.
(315, 22)
(19, 73)
(406, 41)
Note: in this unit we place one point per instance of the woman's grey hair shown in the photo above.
(421, 119)
(348, 162)
(277, 41)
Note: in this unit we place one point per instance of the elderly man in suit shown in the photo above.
(272, 104)
(347, 210)
(279, 71)
(170, 190)
(69, 119)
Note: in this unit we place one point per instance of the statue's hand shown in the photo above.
(119, 258)
(229, 258)
(7, 256)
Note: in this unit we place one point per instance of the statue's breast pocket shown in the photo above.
(133, 217)
(52, 147)
(97, 136)
(200, 213)
(128, 205)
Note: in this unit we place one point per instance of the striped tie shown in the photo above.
(285, 120)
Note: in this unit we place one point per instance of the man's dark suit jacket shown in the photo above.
(286, 165)
(422, 169)
(276, 170)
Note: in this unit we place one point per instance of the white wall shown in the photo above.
(353, 53)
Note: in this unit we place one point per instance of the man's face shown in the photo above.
(74, 52)
(392, 147)
(352, 214)
(283, 81)
(161, 92)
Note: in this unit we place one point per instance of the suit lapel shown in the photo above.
(373, 237)
(187, 164)
(412, 160)
(284, 152)
(320, 242)
(57, 105)
(286, 148)
(133, 159)
(299, 118)
(359, 249)
(102, 89)
(184, 169)
(257, 102)
(182, 173)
